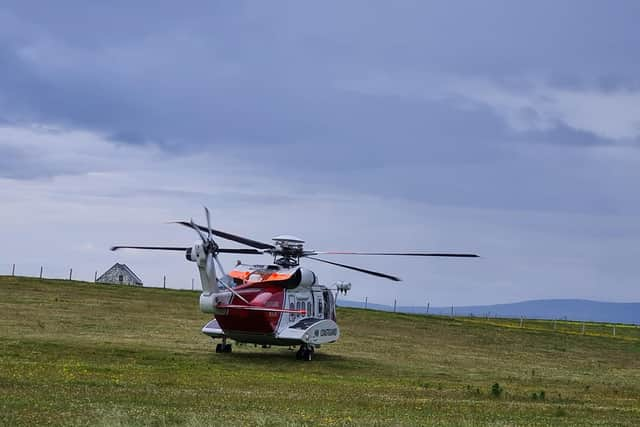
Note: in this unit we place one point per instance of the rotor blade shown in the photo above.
(239, 239)
(208, 215)
(400, 254)
(193, 225)
(153, 248)
(362, 270)
(240, 251)
(176, 248)
(257, 308)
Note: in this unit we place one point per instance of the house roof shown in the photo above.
(131, 273)
(125, 268)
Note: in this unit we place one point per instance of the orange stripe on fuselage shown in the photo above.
(264, 276)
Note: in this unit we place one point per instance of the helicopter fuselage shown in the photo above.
(272, 305)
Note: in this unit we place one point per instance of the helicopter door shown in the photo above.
(329, 305)
(292, 306)
(318, 305)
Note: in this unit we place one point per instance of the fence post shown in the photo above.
(521, 321)
(394, 304)
(192, 280)
(582, 328)
(452, 311)
(95, 276)
(366, 302)
(427, 307)
(41, 272)
(554, 324)
(70, 273)
(164, 282)
(13, 270)
(614, 330)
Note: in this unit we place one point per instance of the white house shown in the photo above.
(120, 274)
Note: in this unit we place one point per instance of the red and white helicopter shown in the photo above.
(280, 303)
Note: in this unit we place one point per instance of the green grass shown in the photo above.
(74, 353)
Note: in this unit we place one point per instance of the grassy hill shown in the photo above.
(76, 353)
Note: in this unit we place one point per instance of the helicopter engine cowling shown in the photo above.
(307, 278)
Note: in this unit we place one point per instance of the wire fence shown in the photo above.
(560, 325)
(47, 271)
(573, 327)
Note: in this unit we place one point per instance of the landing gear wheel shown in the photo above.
(305, 353)
(223, 347)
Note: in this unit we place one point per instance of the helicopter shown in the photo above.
(275, 304)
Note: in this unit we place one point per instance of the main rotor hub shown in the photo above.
(288, 250)
(288, 240)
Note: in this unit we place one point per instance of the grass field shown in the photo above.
(75, 353)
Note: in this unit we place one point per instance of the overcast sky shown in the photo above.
(508, 129)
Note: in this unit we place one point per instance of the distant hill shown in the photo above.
(569, 309)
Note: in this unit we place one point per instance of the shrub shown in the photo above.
(496, 390)
(560, 412)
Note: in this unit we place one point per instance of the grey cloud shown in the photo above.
(249, 105)
(15, 164)
(564, 135)
(283, 61)
(19, 164)
(263, 83)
